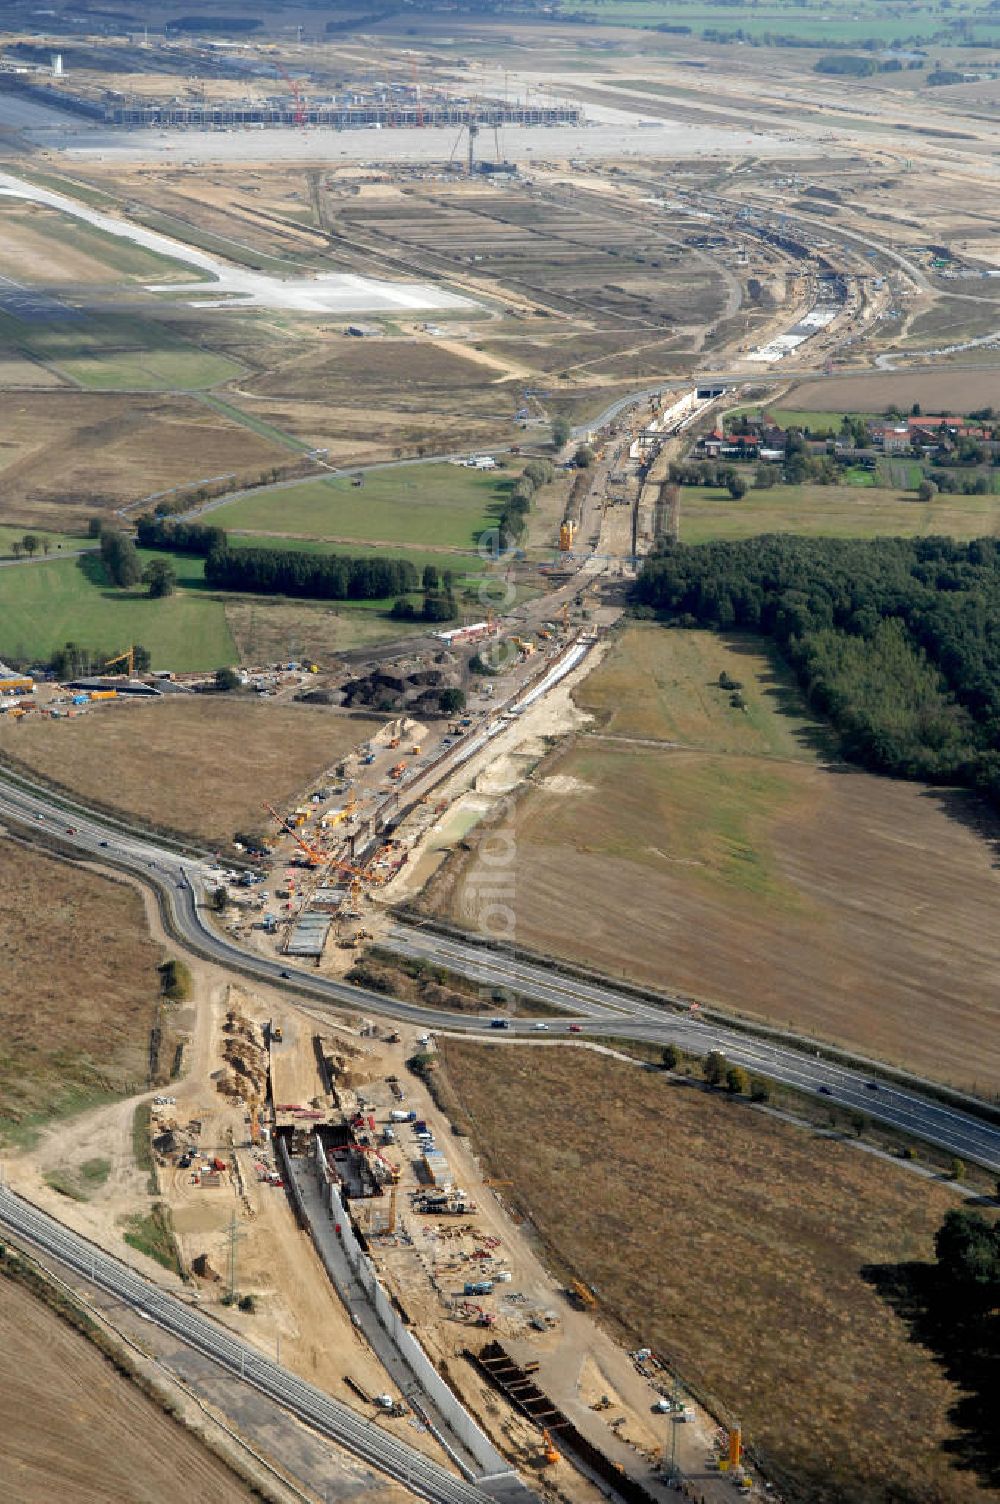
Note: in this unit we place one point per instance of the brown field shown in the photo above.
(201, 766)
(80, 988)
(736, 869)
(74, 1428)
(348, 432)
(947, 390)
(18, 370)
(736, 1245)
(410, 371)
(65, 455)
(267, 631)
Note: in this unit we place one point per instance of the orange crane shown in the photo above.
(312, 852)
(318, 858)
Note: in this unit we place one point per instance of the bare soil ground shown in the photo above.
(731, 866)
(201, 766)
(65, 455)
(80, 989)
(73, 1428)
(737, 1245)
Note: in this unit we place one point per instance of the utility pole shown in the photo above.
(674, 1401)
(234, 1236)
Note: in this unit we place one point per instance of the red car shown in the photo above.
(576, 1028)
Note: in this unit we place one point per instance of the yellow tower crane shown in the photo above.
(128, 656)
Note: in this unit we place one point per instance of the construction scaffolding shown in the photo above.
(138, 113)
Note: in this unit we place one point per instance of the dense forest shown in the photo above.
(271, 571)
(896, 641)
(180, 537)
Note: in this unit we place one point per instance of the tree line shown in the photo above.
(896, 641)
(179, 537)
(75, 661)
(513, 518)
(272, 571)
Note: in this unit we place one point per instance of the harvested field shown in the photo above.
(388, 369)
(345, 429)
(853, 908)
(201, 766)
(735, 868)
(947, 390)
(74, 1428)
(267, 631)
(757, 1250)
(709, 513)
(69, 934)
(65, 455)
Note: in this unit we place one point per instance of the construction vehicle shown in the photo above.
(582, 1294)
(551, 1452)
(275, 1033)
(394, 741)
(567, 532)
(128, 658)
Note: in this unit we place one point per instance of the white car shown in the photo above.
(540, 1025)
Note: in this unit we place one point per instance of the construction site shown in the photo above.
(450, 1328)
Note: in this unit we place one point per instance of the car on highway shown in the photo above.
(872, 1086)
(285, 977)
(540, 1025)
(102, 843)
(576, 1028)
(825, 1091)
(71, 830)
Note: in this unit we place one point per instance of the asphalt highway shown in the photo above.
(341, 1424)
(602, 1010)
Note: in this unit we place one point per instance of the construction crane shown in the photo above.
(299, 113)
(416, 92)
(318, 858)
(127, 657)
(472, 127)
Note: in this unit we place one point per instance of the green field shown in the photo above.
(660, 686)
(836, 22)
(431, 505)
(116, 352)
(46, 605)
(121, 256)
(464, 564)
(816, 422)
(56, 542)
(852, 511)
